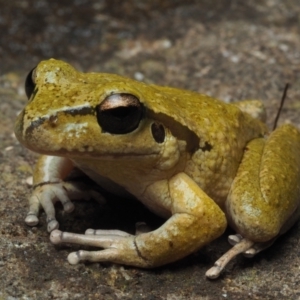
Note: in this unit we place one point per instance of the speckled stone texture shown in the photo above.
(228, 49)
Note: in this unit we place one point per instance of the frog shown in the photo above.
(196, 161)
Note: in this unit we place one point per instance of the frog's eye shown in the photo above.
(120, 113)
(30, 83)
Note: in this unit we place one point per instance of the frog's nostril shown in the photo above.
(120, 113)
(53, 120)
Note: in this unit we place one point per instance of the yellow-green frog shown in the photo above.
(191, 159)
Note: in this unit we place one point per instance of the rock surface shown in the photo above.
(229, 49)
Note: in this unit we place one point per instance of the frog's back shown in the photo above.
(223, 131)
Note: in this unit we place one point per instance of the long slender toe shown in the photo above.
(68, 206)
(31, 220)
(74, 258)
(221, 263)
(52, 225)
(55, 237)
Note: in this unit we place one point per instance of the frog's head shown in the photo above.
(74, 114)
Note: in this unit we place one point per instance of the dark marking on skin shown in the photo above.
(34, 124)
(171, 245)
(45, 182)
(207, 147)
(80, 111)
(138, 251)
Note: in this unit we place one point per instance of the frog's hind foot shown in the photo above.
(255, 249)
(118, 247)
(241, 246)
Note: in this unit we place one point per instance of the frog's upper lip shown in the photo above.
(74, 111)
(73, 154)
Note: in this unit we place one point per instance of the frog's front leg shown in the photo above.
(49, 187)
(196, 220)
(264, 199)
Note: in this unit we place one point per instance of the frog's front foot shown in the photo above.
(119, 247)
(47, 194)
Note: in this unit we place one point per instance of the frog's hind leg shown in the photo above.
(258, 247)
(196, 220)
(263, 202)
(247, 247)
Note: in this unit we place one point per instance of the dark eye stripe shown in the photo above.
(77, 111)
(80, 111)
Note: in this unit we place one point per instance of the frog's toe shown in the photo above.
(92, 256)
(221, 263)
(74, 257)
(55, 236)
(61, 193)
(97, 196)
(100, 240)
(106, 232)
(31, 219)
(52, 225)
(140, 227)
(234, 239)
(250, 252)
(255, 249)
(32, 216)
(119, 247)
(258, 247)
(68, 206)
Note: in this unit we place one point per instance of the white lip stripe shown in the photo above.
(53, 112)
(67, 108)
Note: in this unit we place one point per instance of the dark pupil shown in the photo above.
(120, 112)
(122, 118)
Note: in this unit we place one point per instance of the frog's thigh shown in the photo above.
(264, 196)
(196, 220)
